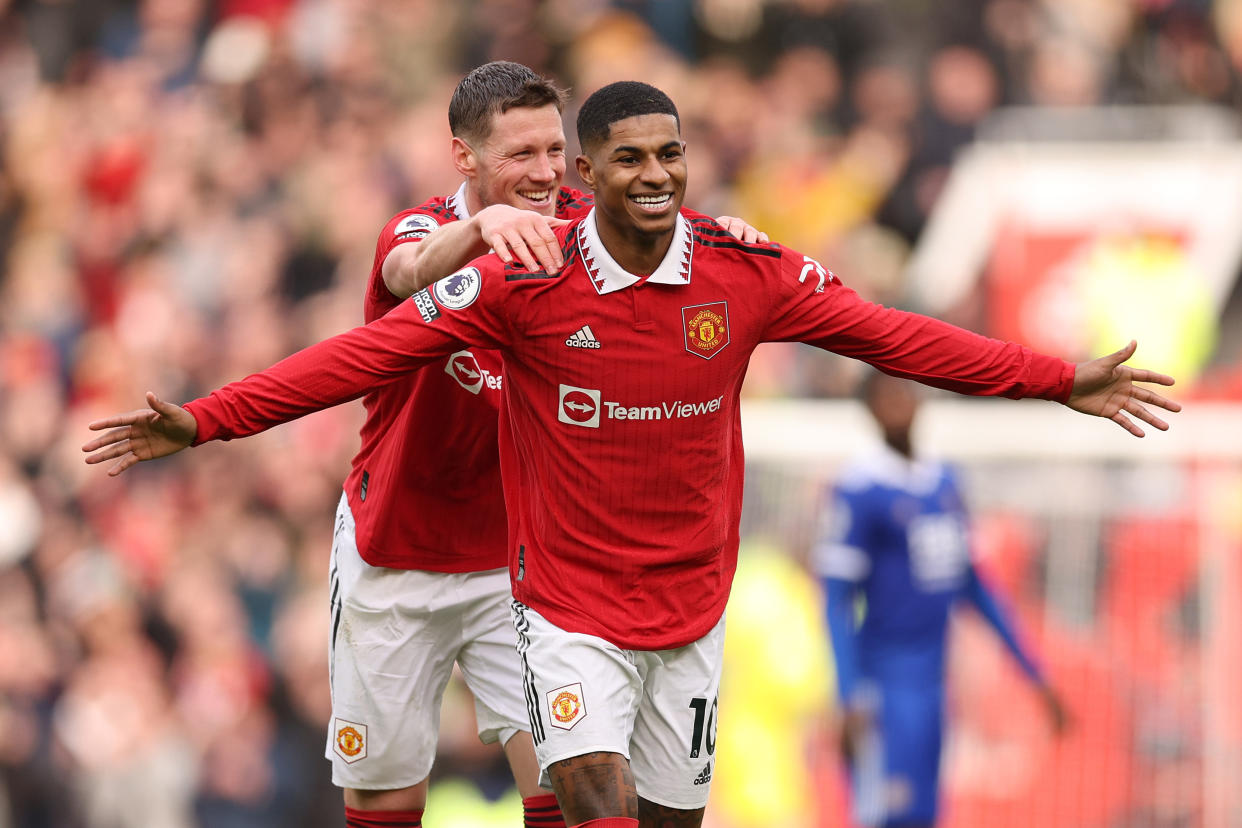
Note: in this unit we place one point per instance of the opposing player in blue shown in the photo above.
(895, 534)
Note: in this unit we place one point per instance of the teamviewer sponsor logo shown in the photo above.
(579, 406)
(584, 337)
(584, 407)
(463, 367)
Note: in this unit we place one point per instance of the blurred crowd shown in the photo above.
(190, 190)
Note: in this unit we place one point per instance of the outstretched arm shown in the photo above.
(1105, 387)
(325, 374)
(811, 305)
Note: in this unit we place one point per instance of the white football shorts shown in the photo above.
(395, 636)
(658, 708)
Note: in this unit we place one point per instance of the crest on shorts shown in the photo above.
(350, 740)
(706, 328)
(567, 706)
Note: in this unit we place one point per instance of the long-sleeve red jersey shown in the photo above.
(620, 437)
(424, 487)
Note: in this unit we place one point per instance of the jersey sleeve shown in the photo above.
(465, 307)
(405, 227)
(810, 304)
(840, 559)
(983, 598)
(841, 535)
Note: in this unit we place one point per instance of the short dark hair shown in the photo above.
(616, 102)
(493, 89)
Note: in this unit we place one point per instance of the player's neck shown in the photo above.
(900, 443)
(474, 204)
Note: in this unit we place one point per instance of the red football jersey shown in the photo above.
(620, 439)
(425, 485)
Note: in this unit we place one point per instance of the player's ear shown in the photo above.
(585, 171)
(464, 158)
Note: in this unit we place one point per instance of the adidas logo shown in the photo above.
(584, 337)
(704, 776)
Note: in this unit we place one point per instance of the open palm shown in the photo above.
(145, 434)
(1105, 387)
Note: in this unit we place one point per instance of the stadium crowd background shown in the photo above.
(191, 190)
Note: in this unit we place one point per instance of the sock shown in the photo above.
(358, 818)
(542, 812)
(609, 822)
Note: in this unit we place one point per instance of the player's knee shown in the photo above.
(396, 799)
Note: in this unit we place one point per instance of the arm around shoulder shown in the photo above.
(512, 233)
(410, 267)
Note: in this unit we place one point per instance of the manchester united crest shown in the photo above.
(706, 328)
(351, 741)
(567, 706)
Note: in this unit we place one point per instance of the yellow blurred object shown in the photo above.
(777, 676)
(1144, 287)
(454, 803)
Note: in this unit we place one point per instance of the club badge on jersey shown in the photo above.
(706, 328)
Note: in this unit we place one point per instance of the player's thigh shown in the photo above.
(911, 729)
(395, 635)
(673, 751)
(488, 658)
(581, 692)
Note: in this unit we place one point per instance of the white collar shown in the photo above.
(608, 276)
(914, 475)
(457, 202)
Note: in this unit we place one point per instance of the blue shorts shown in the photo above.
(896, 772)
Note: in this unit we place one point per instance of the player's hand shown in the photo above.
(145, 434)
(855, 725)
(742, 231)
(522, 234)
(1106, 387)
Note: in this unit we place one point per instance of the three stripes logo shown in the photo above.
(584, 337)
(705, 776)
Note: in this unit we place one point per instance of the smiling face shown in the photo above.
(638, 174)
(521, 163)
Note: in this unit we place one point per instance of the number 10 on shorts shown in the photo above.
(704, 726)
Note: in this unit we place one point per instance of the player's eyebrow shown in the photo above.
(627, 149)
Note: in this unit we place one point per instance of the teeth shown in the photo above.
(535, 195)
(652, 200)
